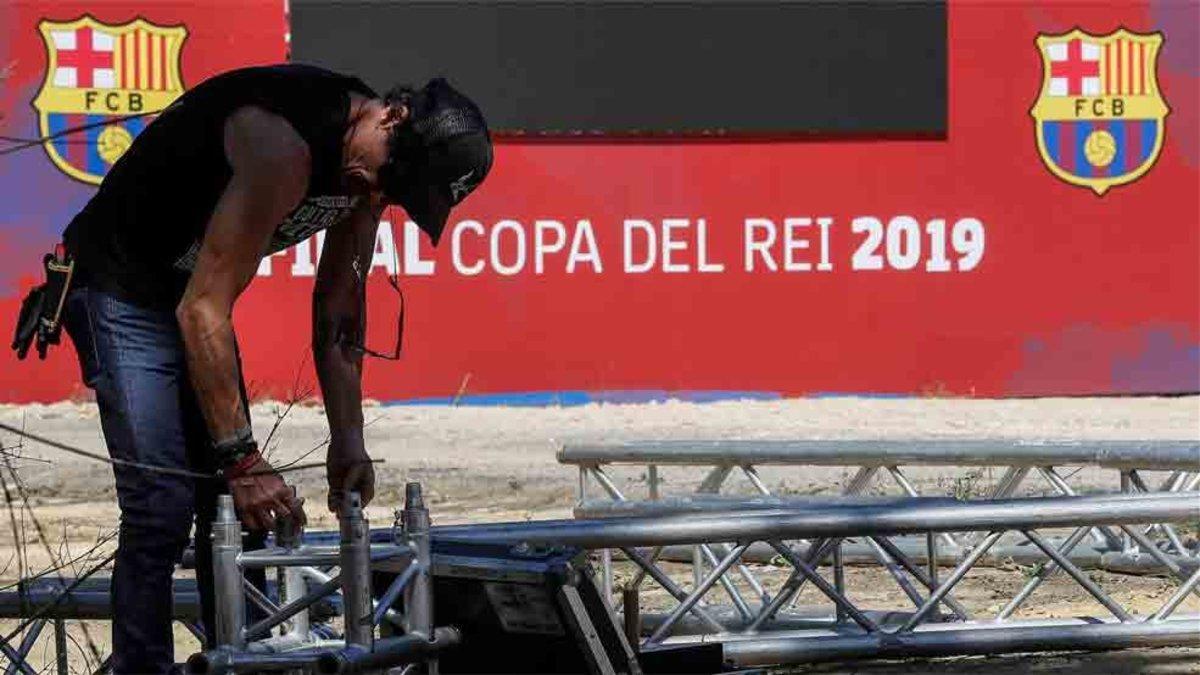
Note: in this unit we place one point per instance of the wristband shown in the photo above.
(236, 448)
(240, 467)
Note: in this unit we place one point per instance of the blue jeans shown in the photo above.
(133, 358)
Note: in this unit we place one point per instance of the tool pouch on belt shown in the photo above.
(41, 310)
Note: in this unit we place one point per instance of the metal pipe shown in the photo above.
(755, 480)
(1008, 514)
(606, 483)
(940, 640)
(931, 561)
(911, 491)
(311, 556)
(829, 591)
(893, 568)
(392, 594)
(258, 597)
(860, 480)
(1168, 486)
(1136, 454)
(606, 575)
(641, 573)
(1169, 606)
(1078, 575)
(387, 653)
(839, 580)
(1192, 482)
(672, 588)
(1165, 560)
(11, 654)
(1045, 570)
(631, 614)
(955, 576)
(223, 660)
(17, 661)
(684, 504)
(687, 603)
(418, 597)
(817, 551)
(60, 647)
(356, 572)
(858, 553)
(289, 579)
(1010, 481)
(393, 617)
(1102, 534)
(930, 583)
(263, 627)
(702, 503)
(230, 600)
(791, 585)
(734, 594)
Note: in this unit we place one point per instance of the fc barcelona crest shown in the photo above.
(108, 80)
(1099, 118)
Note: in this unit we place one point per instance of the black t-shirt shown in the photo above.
(140, 233)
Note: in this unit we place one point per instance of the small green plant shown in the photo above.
(967, 486)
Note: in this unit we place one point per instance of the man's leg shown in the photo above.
(133, 358)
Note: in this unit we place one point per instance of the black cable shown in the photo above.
(32, 142)
(19, 139)
(146, 467)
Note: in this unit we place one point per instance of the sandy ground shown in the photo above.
(491, 464)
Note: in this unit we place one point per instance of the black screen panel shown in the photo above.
(660, 67)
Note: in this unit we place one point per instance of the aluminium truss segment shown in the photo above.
(911, 561)
(881, 467)
(937, 623)
(803, 538)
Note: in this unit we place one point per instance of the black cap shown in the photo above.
(445, 152)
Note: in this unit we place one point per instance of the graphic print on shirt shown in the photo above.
(311, 216)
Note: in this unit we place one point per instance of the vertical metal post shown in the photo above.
(1127, 545)
(697, 567)
(60, 647)
(631, 612)
(230, 598)
(606, 575)
(289, 579)
(418, 595)
(652, 478)
(355, 559)
(839, 580)
(931, 553)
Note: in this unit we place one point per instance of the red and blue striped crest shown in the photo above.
(1100, 117)
(103, 85)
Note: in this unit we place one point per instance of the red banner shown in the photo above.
(1048, 245)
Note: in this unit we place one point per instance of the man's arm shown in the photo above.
(270, 163)
(339, 331)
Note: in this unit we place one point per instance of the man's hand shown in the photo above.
(349, 471)
(261, 495)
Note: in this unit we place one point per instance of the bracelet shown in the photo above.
(239, 468)
(236, 448)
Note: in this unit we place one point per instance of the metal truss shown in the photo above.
(880, 468)
(750, 610)
(757, 628)
(284, 638)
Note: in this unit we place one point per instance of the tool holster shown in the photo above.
(41, 310)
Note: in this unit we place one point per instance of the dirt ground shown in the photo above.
(493, 464)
